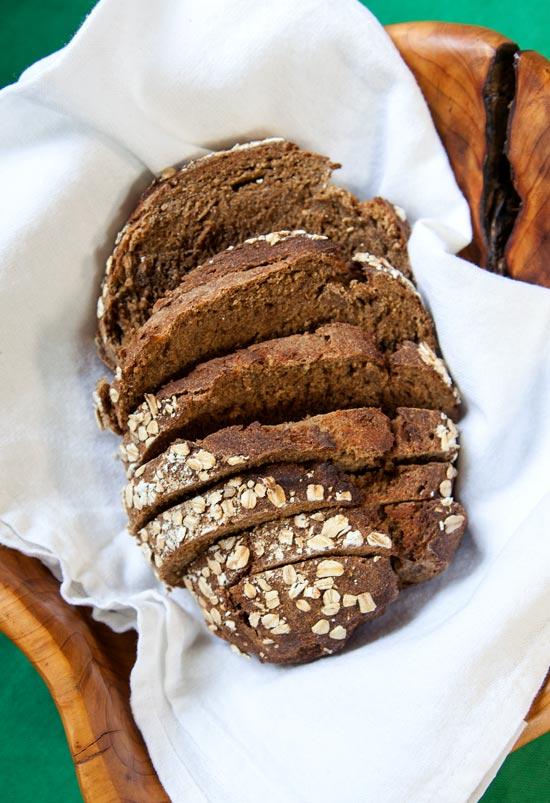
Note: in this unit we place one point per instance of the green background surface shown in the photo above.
(35, 764)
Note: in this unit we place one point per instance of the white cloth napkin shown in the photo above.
(427, 707)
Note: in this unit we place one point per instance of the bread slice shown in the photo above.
(264, 289)
(412, 370)
(402, 531)
(176, 536)
(302, 628)
(280, 614)
(336, 367)
(262, 575)
(404, 483)
(375, 226)
(422, 434)
(264, 249)
(353, 440)
(426, 537)
(193, 213)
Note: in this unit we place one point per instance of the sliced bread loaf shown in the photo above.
(290, 531)
(190, 214)
(262, 290)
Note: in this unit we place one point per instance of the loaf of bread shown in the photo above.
(190, 214)
(287, 416)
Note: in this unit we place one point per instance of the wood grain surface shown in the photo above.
(490, 103)
(538, 716)
(85, 665)
(528, 149)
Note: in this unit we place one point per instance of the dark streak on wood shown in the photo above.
(500, 202)
(496, 132)
(528, 150)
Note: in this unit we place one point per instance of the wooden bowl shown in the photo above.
(478, 86)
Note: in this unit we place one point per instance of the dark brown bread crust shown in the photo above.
(423, 434)
(303, 635)
(261, 290)
(407, 483)
(417, 377)
(261, 572)
(337, 367)
(175, 537)
(350, 439)
(215, 202)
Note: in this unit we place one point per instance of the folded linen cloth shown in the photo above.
(429, 704)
